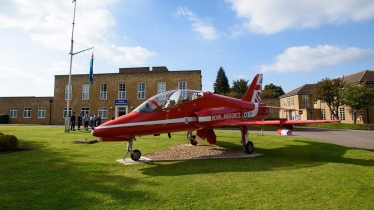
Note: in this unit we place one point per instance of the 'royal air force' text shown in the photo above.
(227, 116)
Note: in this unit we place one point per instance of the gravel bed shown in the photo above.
(187, 151)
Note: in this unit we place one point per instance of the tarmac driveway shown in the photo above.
(349, 138)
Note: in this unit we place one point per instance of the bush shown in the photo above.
(343, 126)
(8, 142)
(4, 119)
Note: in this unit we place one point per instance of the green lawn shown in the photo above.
(295, 173)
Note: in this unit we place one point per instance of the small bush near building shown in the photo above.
(8, 142)
(4, 119)
(343, 126)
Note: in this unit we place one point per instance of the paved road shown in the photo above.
(349, 138)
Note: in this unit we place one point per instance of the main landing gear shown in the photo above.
(135, 154)
(191, 138)
(248, 145)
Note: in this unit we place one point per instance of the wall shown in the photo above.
(20, 103)
(131, 79)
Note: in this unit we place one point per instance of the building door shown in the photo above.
(121, 110)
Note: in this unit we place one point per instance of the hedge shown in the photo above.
(8, 142)
(343, 126)
(4, 119)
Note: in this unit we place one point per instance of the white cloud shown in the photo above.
(50, 23)
(205, 29)
(131, 56)
(239, 76)
(305, 58)
(269, 16)
(7, 72)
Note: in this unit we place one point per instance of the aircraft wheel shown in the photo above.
(193, 140)
(249, 148)
(135, 155)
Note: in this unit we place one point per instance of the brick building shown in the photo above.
(301, 99)
(110, 95)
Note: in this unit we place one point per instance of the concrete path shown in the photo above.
(129, 161)
(349, 138)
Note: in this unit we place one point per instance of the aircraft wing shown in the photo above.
(288, 122)
(280, 123)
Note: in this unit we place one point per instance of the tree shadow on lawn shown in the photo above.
(44, 178)
(301, 154)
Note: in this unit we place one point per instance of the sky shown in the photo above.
(291, 42)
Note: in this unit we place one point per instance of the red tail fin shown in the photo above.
(254, 92)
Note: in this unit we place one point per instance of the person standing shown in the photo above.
(72, 121)
(79, 121)
(86, 120)
(98, 120)
(93, 121)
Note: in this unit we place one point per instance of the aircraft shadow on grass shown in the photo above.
(45, 171)
(288, 157)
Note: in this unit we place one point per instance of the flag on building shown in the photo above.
(90, 76)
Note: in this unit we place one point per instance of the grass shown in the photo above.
(295, 173)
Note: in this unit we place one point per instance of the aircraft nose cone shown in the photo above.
(96, 132)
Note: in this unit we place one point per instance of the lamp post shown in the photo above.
(50, 110)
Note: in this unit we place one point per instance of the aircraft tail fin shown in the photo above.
(254, 92)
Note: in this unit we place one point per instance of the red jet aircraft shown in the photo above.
(194, 110)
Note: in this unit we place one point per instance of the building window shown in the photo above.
(13, 113)
(288, 101)
(41, 112)
(161, 87)
(352, 115)
(122, 91)
(67, 91)
(27, 112)
(85, 92)
(293, 101)
(182, 86)
(103, 112)
(323, 114)
(64, 114)
(84, 111)
(284, 102)
(103, 91)
(341, 113)
(141, 90)
(305, 102)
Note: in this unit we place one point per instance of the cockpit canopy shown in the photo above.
(168, 98)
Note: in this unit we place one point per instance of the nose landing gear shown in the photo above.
(135, 154)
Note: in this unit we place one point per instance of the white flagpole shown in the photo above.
(67, 120)
(67, 124)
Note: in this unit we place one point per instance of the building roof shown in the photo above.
(359, 77)
(302, 90)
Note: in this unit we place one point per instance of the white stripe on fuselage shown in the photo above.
(155, 122)
(170, 121)
(253, 114)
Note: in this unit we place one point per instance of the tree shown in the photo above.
(221, 86)
(272, 91)
(329, 90)
(239, 88)
(357, 96)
